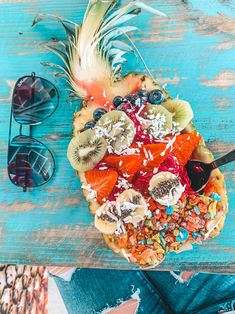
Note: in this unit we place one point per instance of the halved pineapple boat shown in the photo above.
(131, 142)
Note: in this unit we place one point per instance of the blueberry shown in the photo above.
(120, 108)
(129, 98)
(118, 100)
(135, 99)
(89, 125)
(98, 113)
(143, 94)
(138, 102)
(156, 97)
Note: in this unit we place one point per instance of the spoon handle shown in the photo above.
(223, 160)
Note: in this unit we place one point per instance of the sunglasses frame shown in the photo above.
(30, 129)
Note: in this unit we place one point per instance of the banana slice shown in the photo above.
(85, 150)
(165, 188)
(158, 120)
(181, 112)
(105, 220)
(118, 130)
(131, 206)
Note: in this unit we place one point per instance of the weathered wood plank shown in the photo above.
(192, 51)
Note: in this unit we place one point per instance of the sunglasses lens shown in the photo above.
(30, 163)
(34, 100)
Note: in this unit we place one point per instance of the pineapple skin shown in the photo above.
(201, 152)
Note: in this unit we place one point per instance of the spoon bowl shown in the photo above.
(199, 172)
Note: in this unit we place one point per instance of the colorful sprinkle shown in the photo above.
(163, 242)
(175, 216)
(196, 235)
(215, 196)
(176, 232)
(207, 216)
(196, 210)
(183, 235)
(148, 223)
(156, 238)
(149, 241)
(169, 210)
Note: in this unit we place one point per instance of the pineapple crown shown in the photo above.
(93, 52)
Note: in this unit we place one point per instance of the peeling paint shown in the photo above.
(11, 85)
(223, 103)
(15, 1)
(162, 79)
(224, 79)
(218, 24)
(225, 45)
(28, 206)
(186, 18)
(56, 236)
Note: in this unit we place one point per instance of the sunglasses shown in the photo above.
(30, 162)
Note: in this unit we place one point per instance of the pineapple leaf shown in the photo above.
(59, 53)
(121, 45)
(94, 51)
(136, 50)
(118, 60)
(54, 65)
(70, 30)
(116, 12)
(149, 9)
(95, 13)
(114, 52)
(115, 33)
(124, 18)
(117, 70)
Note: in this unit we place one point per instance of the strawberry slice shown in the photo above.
(127, 165)
(184, 146)
(102, 181)
(153, 155)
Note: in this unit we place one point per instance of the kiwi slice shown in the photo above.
(158, 120)
(85, 150)
(118, 129)
(181, 111)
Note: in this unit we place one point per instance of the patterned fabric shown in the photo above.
(23, 289)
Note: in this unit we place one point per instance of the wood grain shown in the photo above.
(192, 51)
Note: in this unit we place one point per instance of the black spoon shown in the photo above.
(199, 172)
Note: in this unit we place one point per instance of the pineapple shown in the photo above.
(127, 129)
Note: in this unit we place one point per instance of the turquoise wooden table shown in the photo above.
(192, 51)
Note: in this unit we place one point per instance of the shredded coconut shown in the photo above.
(91, 193)
(103, 168)
(155, 170)
(169, 144)
(125, 254)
